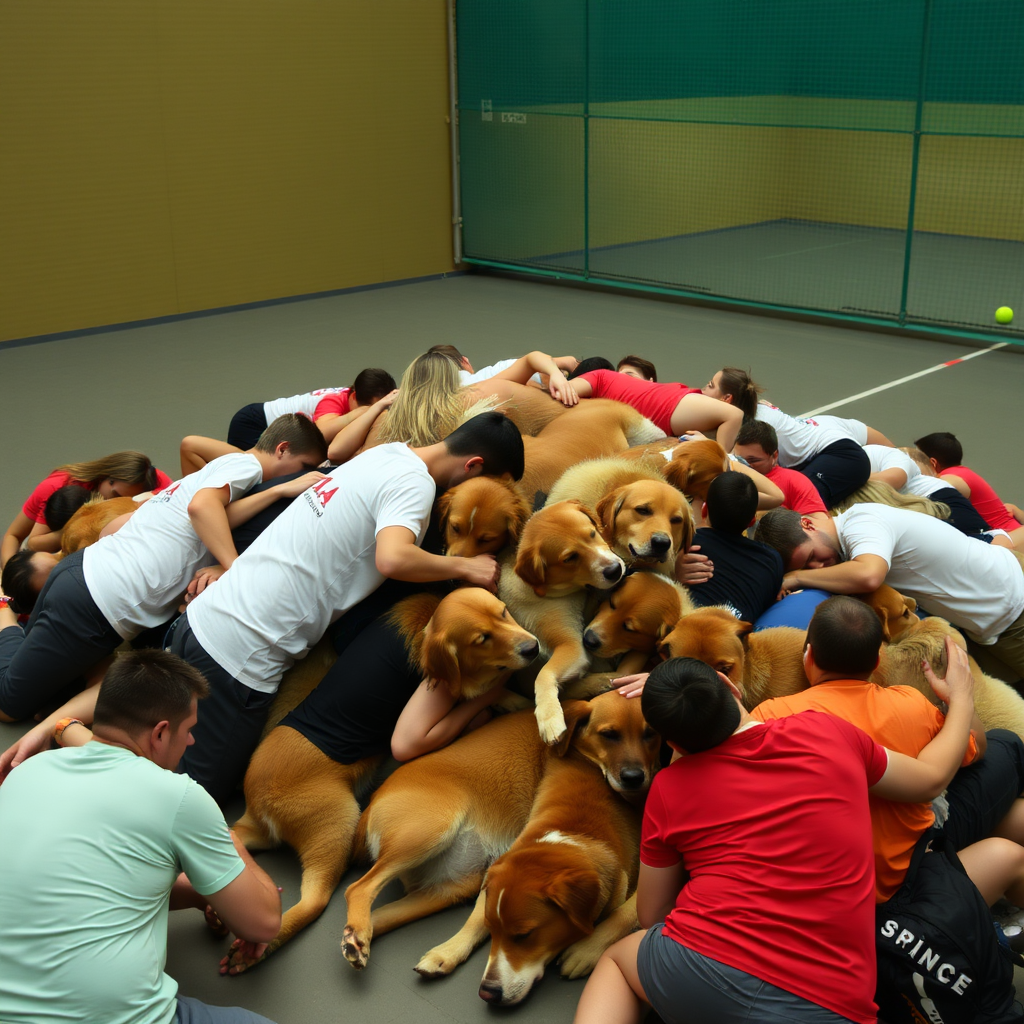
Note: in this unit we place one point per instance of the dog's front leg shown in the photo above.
(581, 957)
(443, 959)
(568, 661)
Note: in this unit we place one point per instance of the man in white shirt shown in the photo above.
(979, 588)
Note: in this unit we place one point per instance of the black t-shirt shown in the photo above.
(748, 575)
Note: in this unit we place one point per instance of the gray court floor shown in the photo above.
(146, 387)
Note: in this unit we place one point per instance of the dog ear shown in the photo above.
(744, 629)
(530, 568)
(439, 659)
(608, 508)
(516, 518)
(588, 512)
(577, 894)
(883, 615)
(688, 529)
(577, 715)
(910, 603)
(444, 508)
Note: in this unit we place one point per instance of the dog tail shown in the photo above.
(643, 431)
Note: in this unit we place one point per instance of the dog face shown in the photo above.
(634, 617)
(647, 521)
(538, 902)
(895, 611)
(712, 635)
(481, 516)
(470, 640)
(694, 465)
(562, 551)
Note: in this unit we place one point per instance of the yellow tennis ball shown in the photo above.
(1004, 315)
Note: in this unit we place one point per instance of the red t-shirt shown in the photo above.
(984, 499)
(773, 827)
(36, 503)
(655, 401)
(800, 494)
(333, 405)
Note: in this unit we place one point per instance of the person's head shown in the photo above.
(636, 366)
(430, 402)
(23, 578)
(942, 448)
(801, 541)
(494, 440)
(64, 503)
(461, 361)
(843, 639)
(731, 502)
(295, 442)
(734, 386)
(692, 706)
(120, 475)
(150, 696)
(372, 384)
(590, 364)
(758, 443)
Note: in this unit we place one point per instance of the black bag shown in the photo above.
(939, 960)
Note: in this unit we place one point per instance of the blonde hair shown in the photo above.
(128, 467)
(430, 403)
(880, 493)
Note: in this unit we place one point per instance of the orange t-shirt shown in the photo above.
(898, 717)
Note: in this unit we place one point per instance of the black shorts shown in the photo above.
(837, 470)
(962, 514)
(246, 426)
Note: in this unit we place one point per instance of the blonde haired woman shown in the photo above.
(121, 474)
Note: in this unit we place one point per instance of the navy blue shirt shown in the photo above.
(748, 575)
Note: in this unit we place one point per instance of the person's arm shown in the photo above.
(352, 437)
(332, 422)
(566, 363)
(196, 451)
(432, 718)
(860, 575)
(250, 904)
(693, 568)
(1014, 511)
(540, 362)
(42, 538)
(209, 516)
(15, 536)
(896, 478)
(769, 495)
(243, 509)
(917, 780)
(657, 890)
(398, 557)
(958, 483)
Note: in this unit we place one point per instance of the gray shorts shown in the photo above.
(192, 1011)
(683, 985)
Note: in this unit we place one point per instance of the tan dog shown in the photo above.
(765, 664)
(85, 526)
(997, 704)
(895, 611)
(592, 429)
(296, 794)
(439, 821)
(481, 516)
(646, 521)
(561, 553)
(642, 610)
(694, 464)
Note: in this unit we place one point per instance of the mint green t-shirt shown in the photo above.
(93, 839)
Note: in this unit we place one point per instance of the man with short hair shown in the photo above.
(977, 587)
(96, 838)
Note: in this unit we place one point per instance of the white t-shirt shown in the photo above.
(799, 440)
(137, 575)
(853, 428)
(466, 378)
(883, 457)
(313, 563)
(925, 486)
(306, 404)
(978, 587)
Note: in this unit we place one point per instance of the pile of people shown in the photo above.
(147, 624)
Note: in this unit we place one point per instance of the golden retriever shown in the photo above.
(481, 516)
(895, 611)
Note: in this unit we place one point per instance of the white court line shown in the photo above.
(902, 380)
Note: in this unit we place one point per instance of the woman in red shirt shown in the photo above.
(121, 474)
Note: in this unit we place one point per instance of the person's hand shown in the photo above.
(791, 583)
(214, 923)
(958, 683)
(562, 390)
(243, 955)
(387, 401)
(293, 488)
(692, 567)
(566, 363)
(631, 686)
(786, 591)
(202, 579)
(692, 435)
(480, 571)
(33, 742)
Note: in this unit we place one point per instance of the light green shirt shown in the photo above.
(93, 839)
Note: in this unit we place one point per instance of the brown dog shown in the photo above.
(765, 664)
(560, 554)
(85, 526)
(481, 516)
(439, 821)
(895, 611)
(296, 794)
(694, 464)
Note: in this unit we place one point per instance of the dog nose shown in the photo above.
(612, 572)
(660, 543)
(591, 640)
(632, 778)
(529, 649)
(490, 993)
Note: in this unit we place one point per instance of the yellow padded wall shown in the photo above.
(166, 156)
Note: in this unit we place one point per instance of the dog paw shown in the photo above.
(436, 964)
(579, 959)
(354, 949)
(551, 725)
